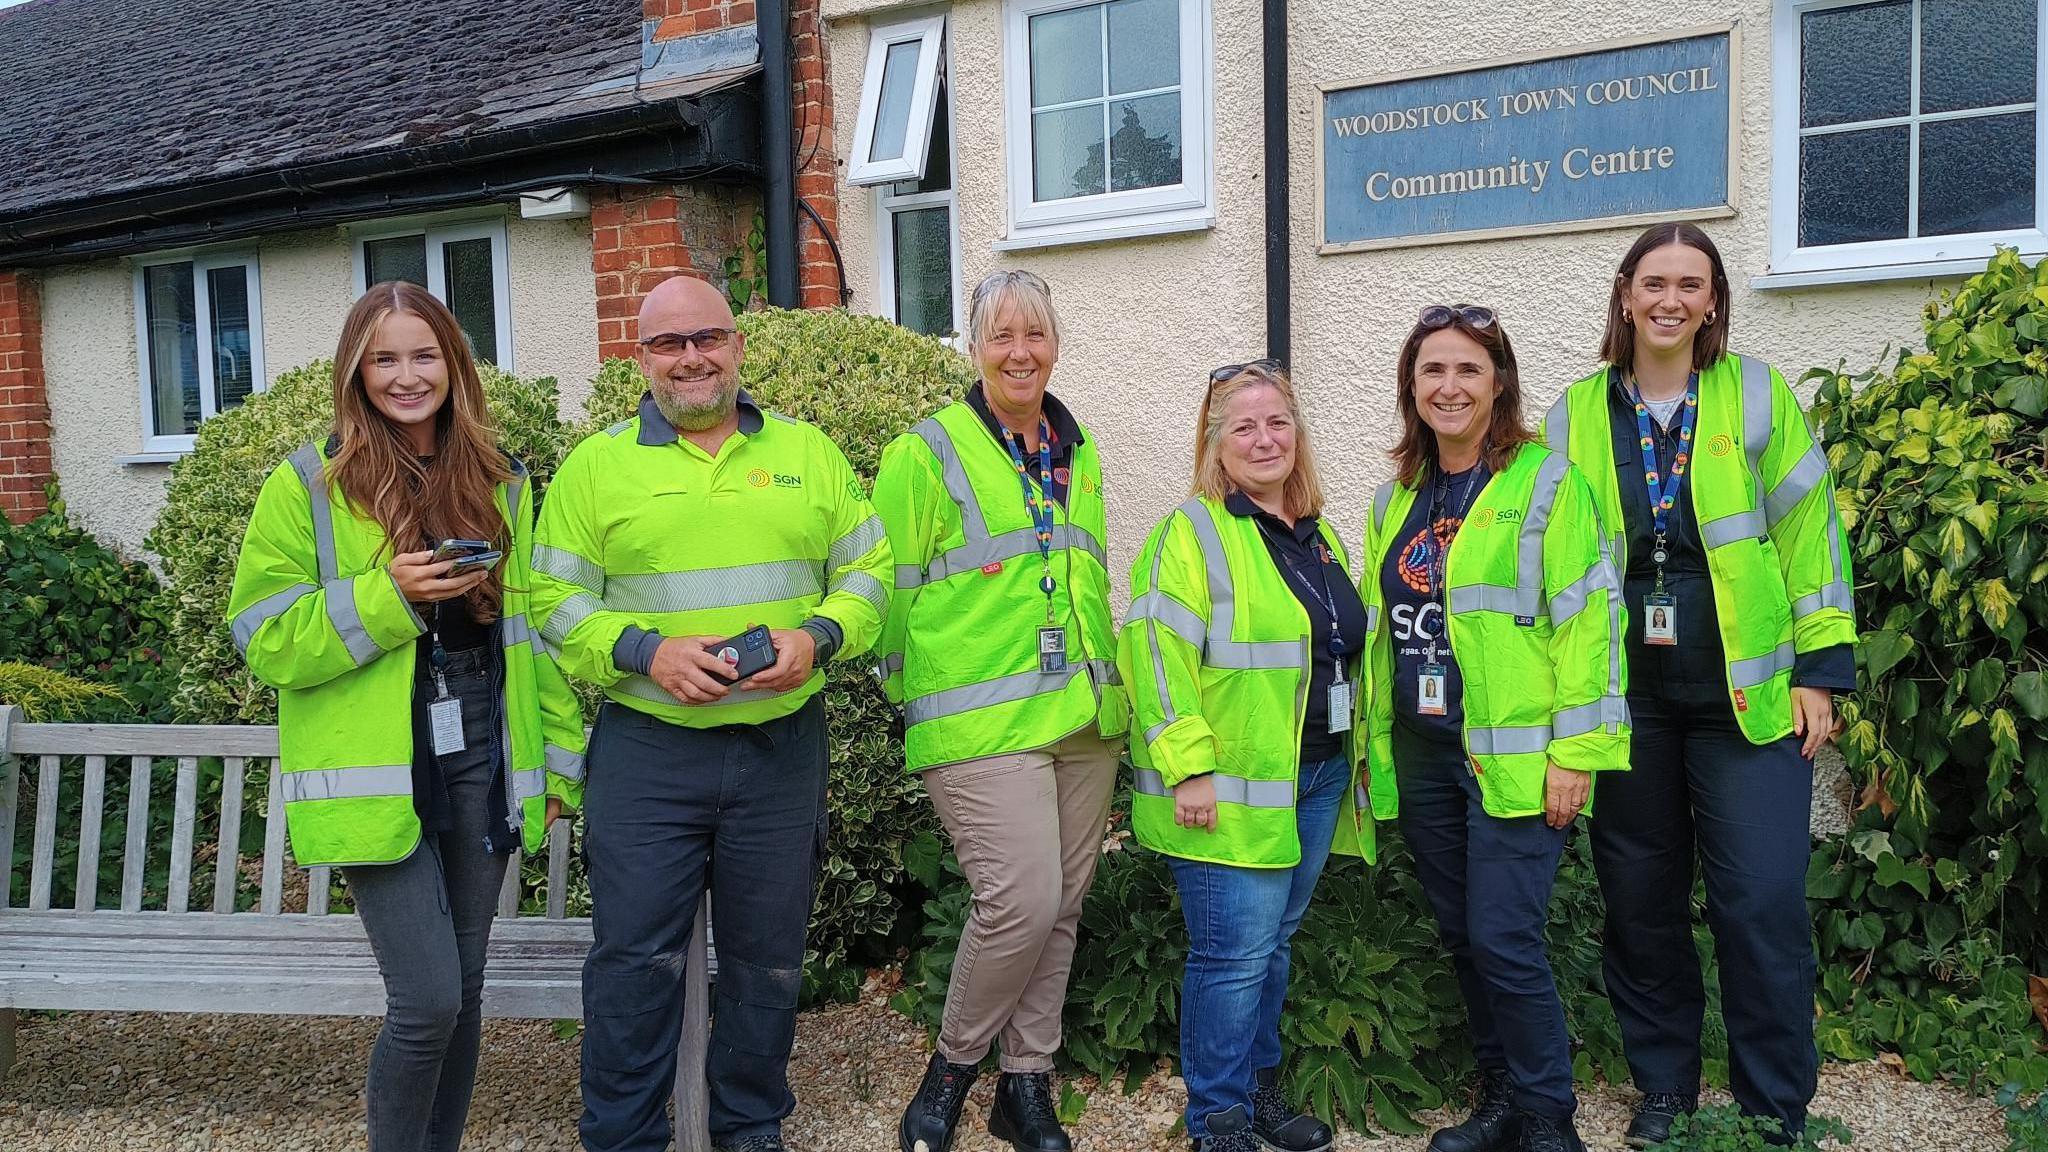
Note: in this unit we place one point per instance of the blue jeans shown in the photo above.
(1240, 921)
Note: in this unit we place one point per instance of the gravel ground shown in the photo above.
(93, 1082)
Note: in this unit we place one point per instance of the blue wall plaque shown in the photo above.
(1589, 138)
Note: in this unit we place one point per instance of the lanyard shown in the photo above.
(1437, 556)
(1321, 591)
(437, 656)
(1039, 501)
(1664, 488)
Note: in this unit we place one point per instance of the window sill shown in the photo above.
(1095, 231)
(144, 458)
(1877, 273)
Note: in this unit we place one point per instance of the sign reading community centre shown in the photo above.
(1622, 133)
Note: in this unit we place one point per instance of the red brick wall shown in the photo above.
(642, 235)
(817, 182)
(24, 406)
(673, 18)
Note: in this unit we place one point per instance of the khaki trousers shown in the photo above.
(1028, 829)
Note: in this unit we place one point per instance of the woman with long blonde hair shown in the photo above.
(423, 734)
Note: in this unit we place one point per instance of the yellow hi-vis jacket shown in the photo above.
(1215, 652)
(1765, 503)
(317, 616)
(644, 534)
(1533, 609)
(960, 650)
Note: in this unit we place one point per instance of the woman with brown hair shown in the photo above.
(423, 734)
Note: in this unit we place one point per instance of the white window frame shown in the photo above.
(929, 33)
(437, 237)
(1911, 257)
(153, 439)
(1181, 207)
(888, 203)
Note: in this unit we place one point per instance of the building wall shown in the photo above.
(24, 414)
(1144, 320)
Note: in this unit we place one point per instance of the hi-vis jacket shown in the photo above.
(1534, 612)
(1215, 652)
(960, 650)
(645, 533)
(317, 616)
(1765, 503)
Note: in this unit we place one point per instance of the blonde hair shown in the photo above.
(1010, 286)
(1302, 494)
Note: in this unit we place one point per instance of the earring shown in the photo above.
(1628, 317)
(1710, 318)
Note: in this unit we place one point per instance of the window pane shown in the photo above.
(472, 294)
(1855, 63)
(1144, 152)
(924, 271)
(1977, 175)
(1144, 45)
(892, 108)
(1067, 153)
(938, 158)
(234, 368)
(1852, 186)
(399, 258)
(1976, 53)
(1066, 56)
(173, 347)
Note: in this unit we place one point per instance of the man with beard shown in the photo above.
(661, 541)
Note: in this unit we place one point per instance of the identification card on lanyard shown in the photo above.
(444, 715)
(1429, 689)
(1338, 700)
(1660, 619)
(1340, 706)
(1660, 608)
(1052, 637)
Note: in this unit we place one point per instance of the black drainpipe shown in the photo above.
(778, 152)
(1279, 304)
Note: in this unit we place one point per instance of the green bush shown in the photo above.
(47, 696)
(1723, 1128)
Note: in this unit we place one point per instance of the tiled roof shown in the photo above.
(106, 97)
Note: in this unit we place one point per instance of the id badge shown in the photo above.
(1052, 649)
(445, 716)
(1429, 690)
(1660, 620)
(1340, 706)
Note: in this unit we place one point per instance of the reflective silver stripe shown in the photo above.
(1229, 789)
(988, 693)
(563, 564)
(1834, 594)
(553, 650)
(1163, 609)
(1805, 476)
(512, 490)
(1615, 637)
(909, 576)
(1529, 543)
(515, 632)
(855, 544)
(1106, 671)
(1557, 424)
(739, 586)
(1216, 566)
(564, 763)
(864, 586)
(1360, 798)
(1255, 655)
(890, 665)
(1756, 419)
(347, 783)
(1153, 732)
(262, 612)
(1734, 527)
(1156, 613)
(527, 784)
(1487, 598)
(954, 473)
(975, 555)
(1381, 497)
(566, 616)
(1760, 669)
(1571, 599)
(1372, 618)
(312, 473)
(348, 622)
(1507, 741)
(1589, 717)
(642, 688)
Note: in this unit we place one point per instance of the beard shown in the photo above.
(693, 410)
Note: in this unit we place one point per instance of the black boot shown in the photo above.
(1652, 1122)
(1279, 1126)
(1542, 1134)
(1229, 1132)
(764, 1143)
(928, 1123)
(1023, 1114)
(1493, 1126)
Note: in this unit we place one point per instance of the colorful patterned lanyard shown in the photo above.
(1664, 489)
(1038, 501)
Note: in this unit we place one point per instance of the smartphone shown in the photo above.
(473, 561)
(450, 549)
(749, 652)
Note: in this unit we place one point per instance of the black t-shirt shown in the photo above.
(1415, 601)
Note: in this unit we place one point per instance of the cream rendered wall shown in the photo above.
(307, 284)
(1146, 319)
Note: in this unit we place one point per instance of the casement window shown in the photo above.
(1906, 139)
(898, 100)
(199, 337)
(1106, 119)
(903, 146)
(463, 265)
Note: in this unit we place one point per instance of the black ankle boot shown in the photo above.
(1279, 1125)
(1229, 1132)
(1023, 1114)
(933, 1114)
(1493, 1126)
(1652, 1122)
(1542, 1134)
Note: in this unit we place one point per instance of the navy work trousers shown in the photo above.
(671, 812)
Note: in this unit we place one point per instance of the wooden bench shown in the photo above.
(134, 947)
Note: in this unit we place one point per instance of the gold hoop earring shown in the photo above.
(1628, 318)
(1710, 318)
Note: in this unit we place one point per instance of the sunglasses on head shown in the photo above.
(1444, 315)
(1232, 371)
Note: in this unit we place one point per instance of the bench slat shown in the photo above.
(45, 849)
(508, 894)
(135, 855)
(144, 739)
(183, 816)
(273, 846)
(317, 881)
(558, 870)
(227, 858)
(10, 801)
(89, 816)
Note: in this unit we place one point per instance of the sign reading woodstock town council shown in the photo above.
(1628, 132)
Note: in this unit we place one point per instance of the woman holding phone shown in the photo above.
(423, 734)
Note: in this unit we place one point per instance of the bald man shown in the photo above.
(702, 562)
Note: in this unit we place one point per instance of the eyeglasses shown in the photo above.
(677, 343)
(1233, 371)
(1444, 315)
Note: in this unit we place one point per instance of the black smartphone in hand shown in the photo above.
(747, 653)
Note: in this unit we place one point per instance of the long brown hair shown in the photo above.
(1415, 454)
(451, 494)
(1710, 343)
(1302, 494)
